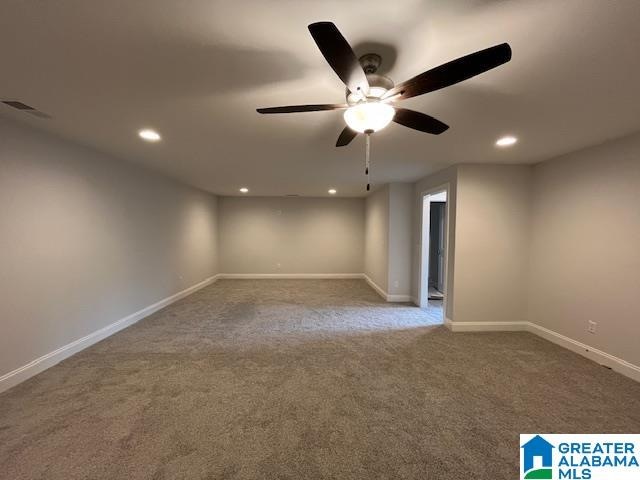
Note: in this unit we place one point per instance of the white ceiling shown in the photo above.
(196, 70)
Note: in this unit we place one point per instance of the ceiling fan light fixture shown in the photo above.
(369, 93)
(366, 116)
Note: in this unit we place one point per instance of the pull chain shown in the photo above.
(367, 156)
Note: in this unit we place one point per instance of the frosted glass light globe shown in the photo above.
(369, 116)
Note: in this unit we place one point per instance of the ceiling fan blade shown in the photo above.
(339, 54)
(303, 108)
(419, 121)
(452, 72)
(346, 136)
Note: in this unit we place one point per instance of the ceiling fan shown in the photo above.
(370, 96)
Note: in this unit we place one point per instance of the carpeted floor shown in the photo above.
(302, 379)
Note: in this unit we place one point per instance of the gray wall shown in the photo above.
(585, 247)
(387, 245)
(400, 217)
(555, 244)
(88, 239)
(492, 243)
(302, 235)
(488, 233)
(376, 239)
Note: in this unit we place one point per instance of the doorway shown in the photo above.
(434, 253)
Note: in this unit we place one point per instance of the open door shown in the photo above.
(437, 238)
(434, 252)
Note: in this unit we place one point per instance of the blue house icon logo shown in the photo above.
(537, 447)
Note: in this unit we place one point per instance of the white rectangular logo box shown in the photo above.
(579, 457)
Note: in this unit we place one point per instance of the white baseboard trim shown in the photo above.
(485, 326)
(40, 364)
(603, 358)
(290, 276)
(302, 276)
(387, 296)
(398, 298)
(375, 286)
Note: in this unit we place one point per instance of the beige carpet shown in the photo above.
(302, 379)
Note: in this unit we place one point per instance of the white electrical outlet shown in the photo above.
(278, 266)
(592, 326)
(396, 284)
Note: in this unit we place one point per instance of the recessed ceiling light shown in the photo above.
(332, 191)
(506, 141)
(149, 135)
(244, 190)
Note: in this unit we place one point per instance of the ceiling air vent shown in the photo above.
(25, 108)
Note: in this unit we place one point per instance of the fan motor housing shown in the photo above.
(378, 84)
(370, 62)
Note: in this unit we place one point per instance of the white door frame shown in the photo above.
(423, 290)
